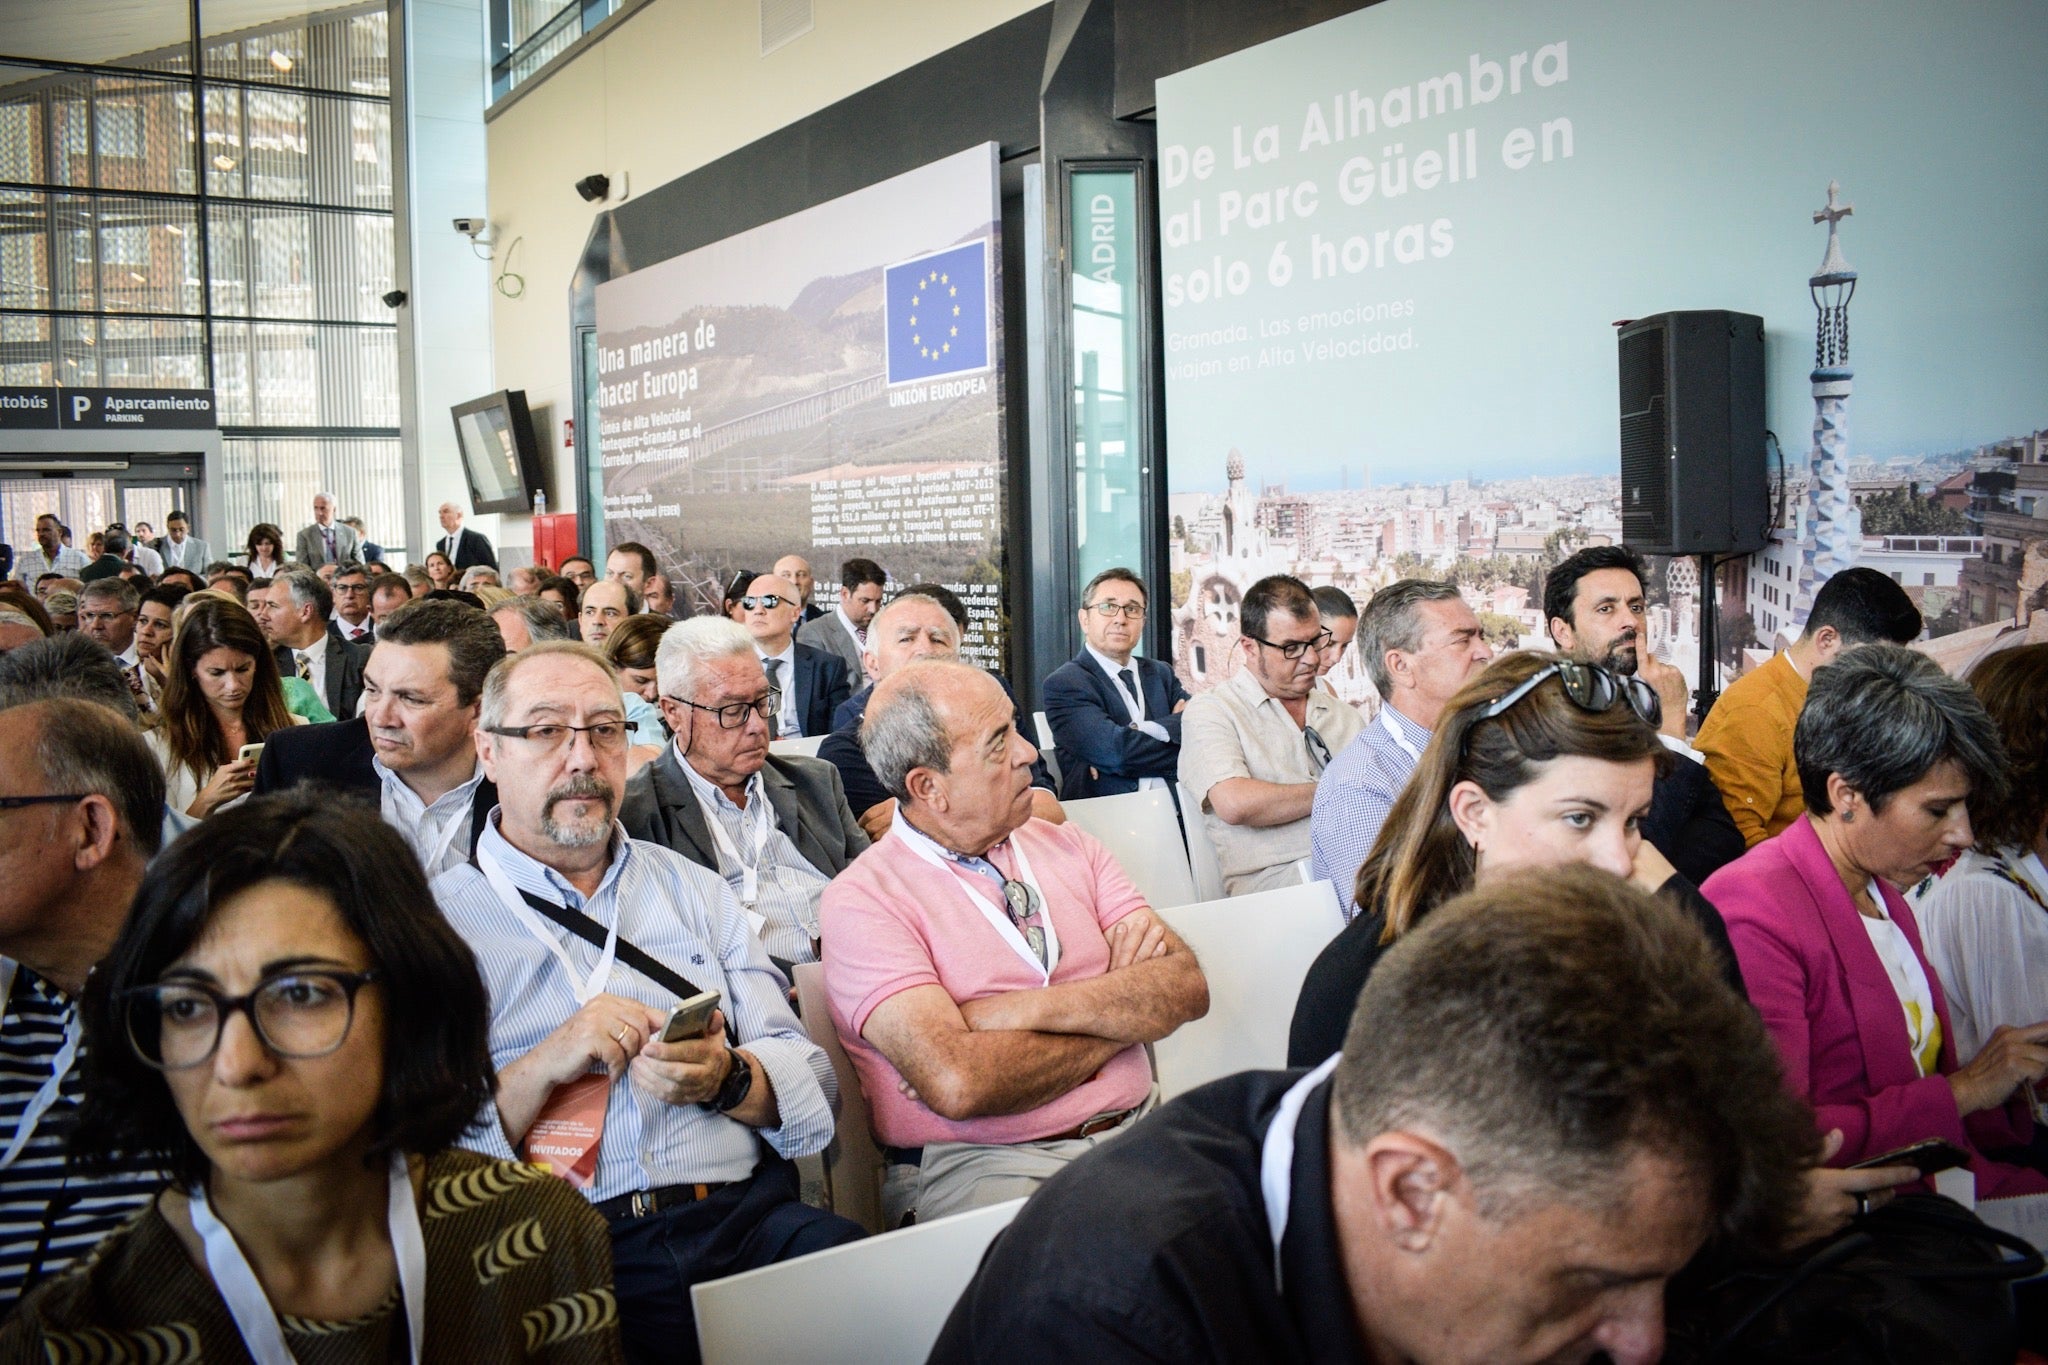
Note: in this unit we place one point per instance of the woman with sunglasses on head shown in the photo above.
(289, 1028)
(1892, 754)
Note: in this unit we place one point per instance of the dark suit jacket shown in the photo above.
(821, 685)
(1093, 729)
(812, 611)
(338, 756)
(344, 672)
(809, 804)
(471, 549)
(1689, 823)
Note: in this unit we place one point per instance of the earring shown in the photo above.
(1848, 815)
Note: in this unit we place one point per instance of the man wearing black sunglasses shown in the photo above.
(1597, 615)
(812, 682)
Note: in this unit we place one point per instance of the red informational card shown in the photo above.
(565, 1136)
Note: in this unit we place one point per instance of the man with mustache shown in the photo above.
(586, 939)
(1595, 605)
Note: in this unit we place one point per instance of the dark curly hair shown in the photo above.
(437, 1061)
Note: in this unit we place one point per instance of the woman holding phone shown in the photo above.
(291, 1030)
(221, 694)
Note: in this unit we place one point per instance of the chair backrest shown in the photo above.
(1046, 743)
(882, 1300)
(1142, 834)
(1256, 950)
(803, 746)
(1201, 853)
(853, 1164)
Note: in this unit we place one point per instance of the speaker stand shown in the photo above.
(1708, 691)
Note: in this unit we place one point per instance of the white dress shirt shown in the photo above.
(316, 662)
(1134, 704)
(789, 722)
(352, 633)
(440, 833)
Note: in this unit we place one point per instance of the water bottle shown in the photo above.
(540, 502)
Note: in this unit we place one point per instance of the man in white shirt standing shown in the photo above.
(1115, 716)
(844, 630)
(49, 555)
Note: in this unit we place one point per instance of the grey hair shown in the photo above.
(903, 731)
(67, 664)
(492, 712)
(1882, 716)
(544, 620)
(480, 573)
(688, 645)
(114, 589)
(306, 589)
(1391, 620)
(10, 617)
(61, 603)
(903, 598)
(87, 749)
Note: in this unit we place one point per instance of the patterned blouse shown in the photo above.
(518, 1269)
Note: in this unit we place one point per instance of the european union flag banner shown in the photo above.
(936, 314)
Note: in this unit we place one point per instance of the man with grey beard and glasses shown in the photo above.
(587, 939)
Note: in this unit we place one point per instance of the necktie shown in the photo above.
(305, 666)
(356, 633)
(1130, 682)
(448, 547)
(774, 667)
(327, 534)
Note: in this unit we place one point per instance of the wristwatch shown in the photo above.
(739, 1083)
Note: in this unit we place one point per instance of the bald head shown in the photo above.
(797, 570)
(770, 625)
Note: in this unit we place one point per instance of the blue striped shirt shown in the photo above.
(681, 915)
(1354, 798)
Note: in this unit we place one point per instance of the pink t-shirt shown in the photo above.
(892, 921)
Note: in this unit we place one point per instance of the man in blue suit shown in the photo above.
(813, 682)
(1115, 717)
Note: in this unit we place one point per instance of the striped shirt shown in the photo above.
(787, 896)
(682, 915)
(49, 1214)
(1355, 797)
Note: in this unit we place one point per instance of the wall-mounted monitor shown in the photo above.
(499, 456)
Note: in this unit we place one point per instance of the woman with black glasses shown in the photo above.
(292, 1033)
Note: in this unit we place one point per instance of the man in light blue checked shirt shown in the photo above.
(1419, 642)
(692, 1165)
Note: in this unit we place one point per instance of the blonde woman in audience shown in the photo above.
(221, 694)
(491, 595)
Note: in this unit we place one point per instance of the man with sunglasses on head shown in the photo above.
(1595, 606)
(776, 827)
(812, 683)
(587, 939)
(1254, 746)
(1116, 716)
(1419, 642)
(994, 977)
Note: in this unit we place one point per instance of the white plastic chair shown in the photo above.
(880, 1301)
(804, 746)
(853, 1163)
(1141, 833)
(1201, 853)
(1048, 749)
(1255, 951)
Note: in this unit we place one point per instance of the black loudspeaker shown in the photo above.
(1692, 434)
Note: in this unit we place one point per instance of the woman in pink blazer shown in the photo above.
(1891, 752)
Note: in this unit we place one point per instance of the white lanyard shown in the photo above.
(593, 985)
(763, 822)
(1392, 727)
(432, 861)
(1276, 1157)
(924, 848)
(60, 1066)
(257, 1321)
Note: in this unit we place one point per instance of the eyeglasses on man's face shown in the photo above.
(606, 736)
(733, 715)
(174, 1025)
(1292, 650)
(767, 600)
(1110, 610)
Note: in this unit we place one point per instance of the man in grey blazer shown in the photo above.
(179, 548)
(844, 630)
(776, 828)
(328, 540)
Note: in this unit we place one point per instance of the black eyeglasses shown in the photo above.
(1294, 649)
(17, 802)
(733, 715)
(607, 735)
(768, 600)
(1110, 610)
(1590, 688)
(174, 1025)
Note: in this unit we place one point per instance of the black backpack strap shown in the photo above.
(630, 953)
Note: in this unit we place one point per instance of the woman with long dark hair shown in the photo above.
(221, 692)
(265, 551)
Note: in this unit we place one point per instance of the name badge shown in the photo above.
(564, 1138)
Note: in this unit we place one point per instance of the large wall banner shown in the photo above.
(1397, 243)
(827, 384)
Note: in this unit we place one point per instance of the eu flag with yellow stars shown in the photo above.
(935, 314)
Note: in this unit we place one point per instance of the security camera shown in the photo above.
(594, 187)
(471, 228)
(395, 298)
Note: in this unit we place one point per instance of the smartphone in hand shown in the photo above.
(1935, 1154)
(690, 1018)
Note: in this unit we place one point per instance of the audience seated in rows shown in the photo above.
(587, 938)
(413, 750)
(289, 1031)
(1985, 923)
(1598, 615)
(1502, 1164)
(776, 827)
(844, 630)
(1420, 644)
(1747, 737)
(1253, 746)
(1115, 717)
(1892, 753)
(811, 682)
(989, 1061)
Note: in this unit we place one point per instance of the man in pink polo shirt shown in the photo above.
(994, 977)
